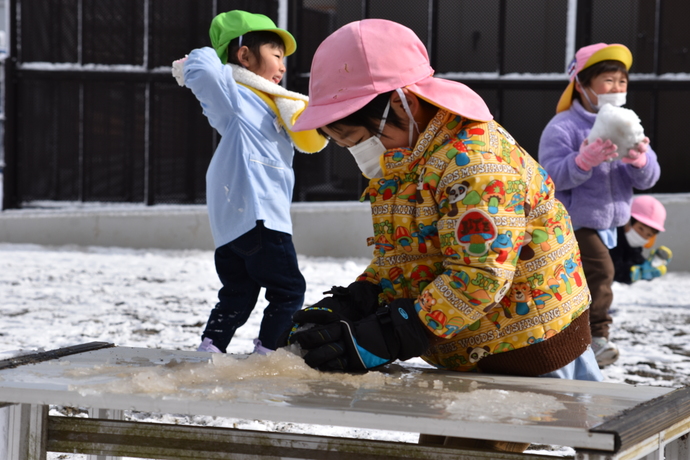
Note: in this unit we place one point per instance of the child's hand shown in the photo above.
(637, 156)
(594, 154)
(178, 70)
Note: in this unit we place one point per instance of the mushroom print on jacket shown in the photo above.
(467, 224)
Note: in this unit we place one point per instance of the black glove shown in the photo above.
(334, 342)
(354, 302)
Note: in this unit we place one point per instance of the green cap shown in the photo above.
(232, 24)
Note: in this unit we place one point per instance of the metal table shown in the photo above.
(598, 420)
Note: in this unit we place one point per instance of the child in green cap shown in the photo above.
(250, 180)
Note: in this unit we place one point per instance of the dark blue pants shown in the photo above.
(259, 258)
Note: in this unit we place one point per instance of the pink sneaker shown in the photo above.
(260, 349)
(208, 346)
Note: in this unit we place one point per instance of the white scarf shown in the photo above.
(287, 105)
(288, 102)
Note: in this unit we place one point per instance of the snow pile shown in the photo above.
(222, 377)
(620, 125)
(280, 376)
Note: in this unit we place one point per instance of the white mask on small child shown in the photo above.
(635, 240)
(368, 153)
(615, 99)
(368, 156)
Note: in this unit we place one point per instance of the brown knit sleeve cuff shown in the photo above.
(543, 357)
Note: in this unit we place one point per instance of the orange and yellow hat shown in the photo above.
(587, 56)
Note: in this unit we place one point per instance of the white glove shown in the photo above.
(178, 70)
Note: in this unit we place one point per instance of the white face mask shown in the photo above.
(615, 99)
(368, 153)
(368, 156)
(635, 240)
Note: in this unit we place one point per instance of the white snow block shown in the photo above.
(620, 125)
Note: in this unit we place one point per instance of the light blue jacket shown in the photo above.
(250, 176)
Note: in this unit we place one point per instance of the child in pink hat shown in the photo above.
(596, 190)
(647, 218)
(466, 229)
(475, 266)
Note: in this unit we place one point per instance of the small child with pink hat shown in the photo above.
(647, 218)
(466, 229)
(596, 191)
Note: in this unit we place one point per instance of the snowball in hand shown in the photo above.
(622, 126)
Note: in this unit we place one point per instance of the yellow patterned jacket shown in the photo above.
(468, 225)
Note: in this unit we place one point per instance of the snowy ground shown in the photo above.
(53, 297)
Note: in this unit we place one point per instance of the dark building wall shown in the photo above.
(94, 115)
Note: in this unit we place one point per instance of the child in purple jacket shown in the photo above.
(596, 190)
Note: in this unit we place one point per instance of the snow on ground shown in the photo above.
(141, 298)
(53, 297)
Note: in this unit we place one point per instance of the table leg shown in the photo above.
(109, 414)
(23, 431)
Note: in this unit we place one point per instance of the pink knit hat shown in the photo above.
(649, 211)
(366, 58)
(585, 57)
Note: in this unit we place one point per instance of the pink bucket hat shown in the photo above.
(649, 211)
(366, 58)
(585, 57)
